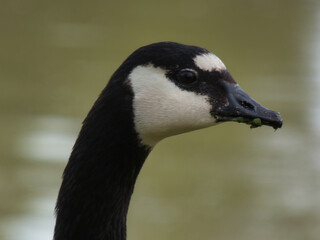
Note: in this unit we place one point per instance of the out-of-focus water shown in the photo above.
(225, 182)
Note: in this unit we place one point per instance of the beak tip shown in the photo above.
(277, 121)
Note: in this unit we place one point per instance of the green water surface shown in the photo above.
(225, 182)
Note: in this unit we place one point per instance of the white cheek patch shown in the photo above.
(162, 109)
(209, 62)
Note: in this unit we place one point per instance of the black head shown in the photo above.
(179, 88)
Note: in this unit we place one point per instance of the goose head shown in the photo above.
(179, 88)
(160, 90)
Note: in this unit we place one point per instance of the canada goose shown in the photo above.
(160, 90)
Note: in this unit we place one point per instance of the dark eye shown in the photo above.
(186, 77)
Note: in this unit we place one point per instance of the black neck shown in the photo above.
(99, 178)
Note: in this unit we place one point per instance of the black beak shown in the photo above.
(241, 107)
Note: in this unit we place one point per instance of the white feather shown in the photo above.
(162, 109)
(209, 62)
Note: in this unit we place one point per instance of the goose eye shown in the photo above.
(186, 77)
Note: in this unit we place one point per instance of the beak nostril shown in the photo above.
(246, 105)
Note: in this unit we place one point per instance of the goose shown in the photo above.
(160, 90)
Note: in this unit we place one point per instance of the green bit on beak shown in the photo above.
(256, 123)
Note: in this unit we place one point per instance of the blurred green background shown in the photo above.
(225, 182)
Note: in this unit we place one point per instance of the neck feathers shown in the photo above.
(99, 178)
